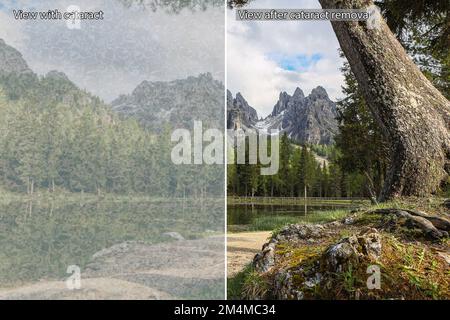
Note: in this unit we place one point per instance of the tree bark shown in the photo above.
(413, 114)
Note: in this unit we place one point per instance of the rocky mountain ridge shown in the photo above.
(155, 104)
(11, 60)
(306, 119)
(240, 115)
(178, 102)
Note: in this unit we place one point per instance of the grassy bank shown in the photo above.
(269, 223)
(296, 201)
(412, 266)
(247, 278)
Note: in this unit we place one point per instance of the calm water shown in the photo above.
(39, 240)
(245, 214)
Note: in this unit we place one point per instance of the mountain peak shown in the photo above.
(282, 103)
(240, 114)
(319, 92)
(239, 96)
(11, 60)
(206, 75)
(284, 95)
(298, 94)
(241, 103)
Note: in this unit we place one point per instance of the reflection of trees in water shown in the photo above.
(39, 239)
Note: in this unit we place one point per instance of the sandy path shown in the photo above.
(242, 247)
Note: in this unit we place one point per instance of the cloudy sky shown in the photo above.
(266, 57)
(113, 56)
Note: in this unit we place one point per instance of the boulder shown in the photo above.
(265, 260)
(295, 232)
(294, 282)
(353, 249)
(284, 288)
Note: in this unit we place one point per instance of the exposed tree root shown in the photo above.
(434, 227)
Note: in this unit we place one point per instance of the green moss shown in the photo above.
(408, 271)
(304, 255)
(369, 219)
(344, 233)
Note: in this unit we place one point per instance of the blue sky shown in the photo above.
(298, 62)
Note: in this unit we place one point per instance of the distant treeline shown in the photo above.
(299, 170)
(55, 136)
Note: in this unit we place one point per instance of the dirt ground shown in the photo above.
(242, 247)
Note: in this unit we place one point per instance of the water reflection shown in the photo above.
(40, 239)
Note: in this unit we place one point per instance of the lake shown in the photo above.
(268, 217)
(40, 239)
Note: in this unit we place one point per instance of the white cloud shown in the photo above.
(260, 79)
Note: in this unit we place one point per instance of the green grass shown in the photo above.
(247, 284)
(294, 201)
(235, 284)
(269, 223)
(431, 204)
(255, 286)
(326, 216)
(265, 223)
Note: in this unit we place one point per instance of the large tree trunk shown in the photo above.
(414, 115)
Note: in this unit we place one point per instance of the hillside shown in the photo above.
(56, 136)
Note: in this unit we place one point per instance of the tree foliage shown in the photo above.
(423, 28)
(362, 147)
(55, 136)
(299, 169)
